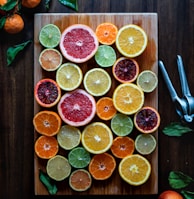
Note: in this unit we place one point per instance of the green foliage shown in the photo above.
(70, 3)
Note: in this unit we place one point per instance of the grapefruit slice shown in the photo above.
(78, 43)
(77, 108)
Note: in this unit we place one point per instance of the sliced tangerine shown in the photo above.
(105, 108)
(47, 123)
(102, 166)
(122, 147)
(46, 147)
(106, 33)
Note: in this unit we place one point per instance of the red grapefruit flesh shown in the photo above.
(78, 43)
(47, 92)
(77, 108)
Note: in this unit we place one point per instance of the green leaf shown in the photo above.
(48, 183)
(176, 129)
(47, 3)
(9, 5)
(2, 22)
(13, 51)
(179, 180)
(70, 3)
(187, 194)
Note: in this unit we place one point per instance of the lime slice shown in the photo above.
(49, 36)
(79, 157)
(147, 80)
(97, 82)
(68, 137)
(58, 168)
(105, 56)
(121, 124)
(69, 76)
(145, 143)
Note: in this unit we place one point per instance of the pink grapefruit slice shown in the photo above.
(78, 43)
(77, 108)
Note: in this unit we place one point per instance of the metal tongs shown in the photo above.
(185, 105)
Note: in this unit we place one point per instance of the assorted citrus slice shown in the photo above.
(77, 108)
(128, 98)
(105, 108)
(131, 40)
(80, 180)
(58, 168)
(105, 56)
(122, 146)
(50, 59)
(47, 123)
(102, 166)
(125, 70)
(97, 138)
(50, 36)
(106, 33)
(147, 80)
(97, 81)
(47, 92)
(145, 143)
(78, 43)
(69, 76)
(121, 124)
(46, 147)
(68, 137)
(135, 169)
(147, 120)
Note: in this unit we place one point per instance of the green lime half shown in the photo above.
(105, 56)
(121, 124)
(145, 143)
(49, 36)
(79, 157)
(58, 168)
(68, 137)
(147, 80)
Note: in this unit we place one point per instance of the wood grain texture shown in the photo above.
(148, 60)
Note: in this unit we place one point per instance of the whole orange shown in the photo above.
(170, 194)
(30, 3)
(14, 24)
(3, 2)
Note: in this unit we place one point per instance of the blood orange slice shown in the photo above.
(77, 108)
(78, 43)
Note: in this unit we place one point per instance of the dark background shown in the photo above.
(176, 36)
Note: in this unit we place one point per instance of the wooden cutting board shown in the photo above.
(148, 60)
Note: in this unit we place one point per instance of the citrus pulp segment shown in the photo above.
(69, 76)
(128, 98)
(105, 56)
(97, 138)
(122, 146)
(47, 123)
(145, 144)
(68, 137)
(147, 120)
(79, 158)
(121, 124)
(47, 92)
(131, 40)
(105, 108)
(97, 81)
(46, 147)
(78, 43)
(77, 108)
(50, 36)
(147, 80)
(134, 169)
(125, 70)
(102, 166)
(80, 180)
(106, 33)
(58, 168)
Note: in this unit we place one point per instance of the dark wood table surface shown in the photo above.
(175, 36)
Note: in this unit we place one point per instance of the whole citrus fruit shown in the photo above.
(14, 24)
(170, 194)
(3, 2)
(30, 3)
